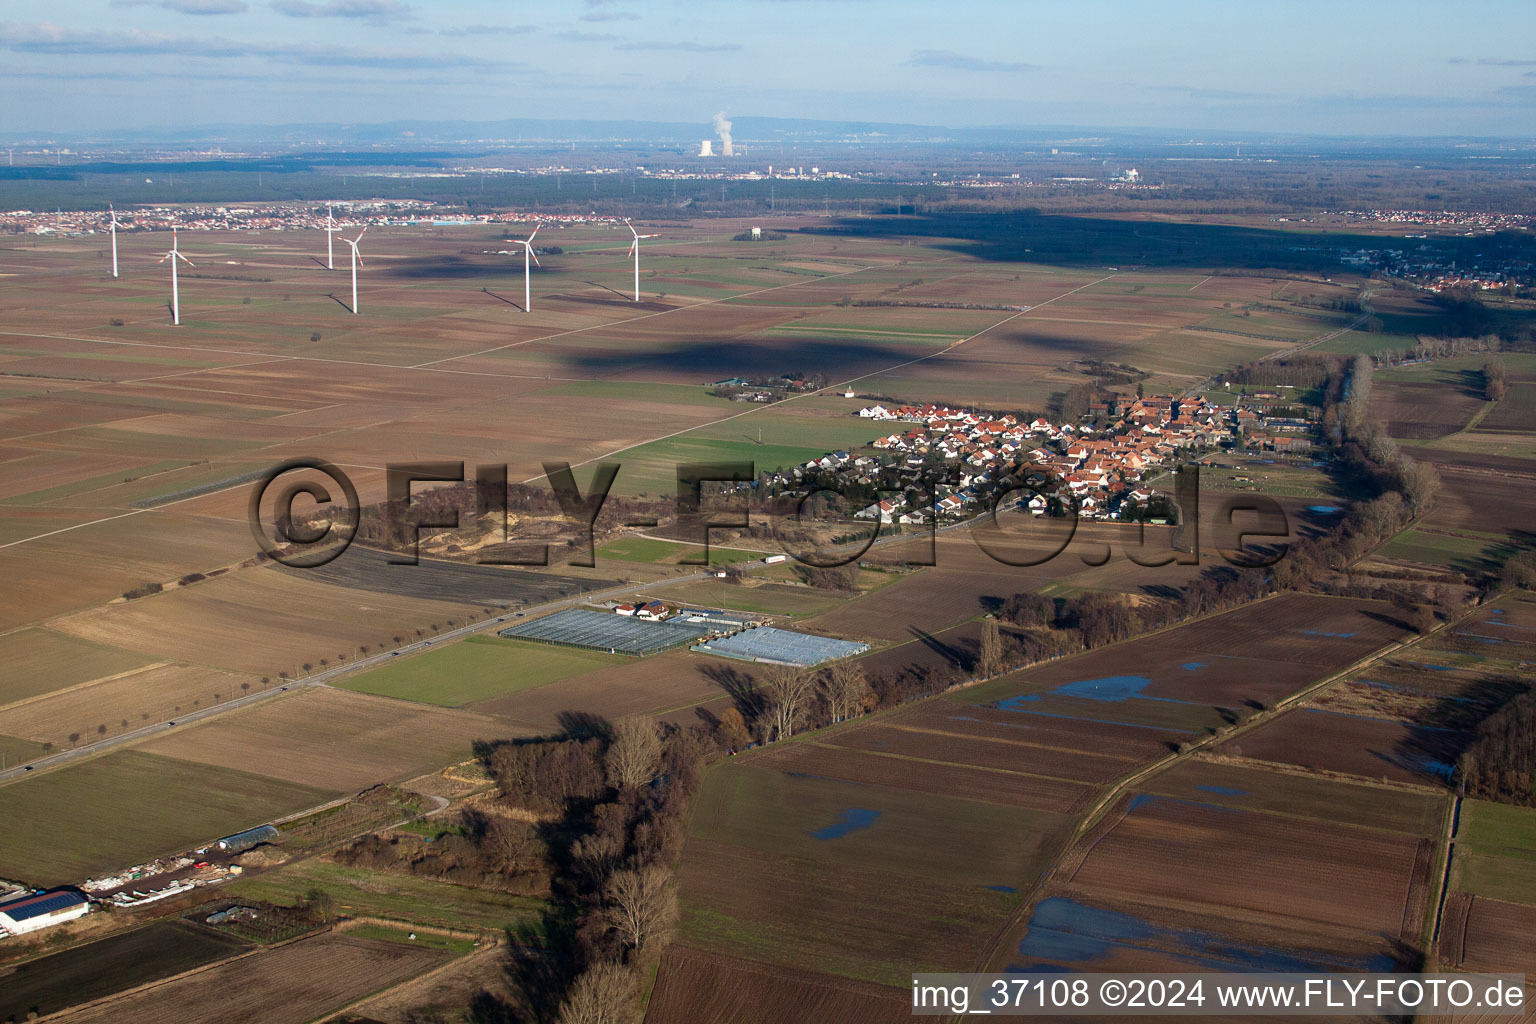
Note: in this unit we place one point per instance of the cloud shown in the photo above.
(369, 10)
(960, 62)
(680, 47)
(489, 30)
(611, 16)
(586, 37)
(1207, 94)
(51, 40)
(190, 6)
(1494, 62)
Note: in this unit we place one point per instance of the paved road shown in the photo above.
(325, 676)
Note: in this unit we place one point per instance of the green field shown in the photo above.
(405, 936)
(650, 550)
(769, 599)
(126, 807)
(652, 468)
(661, 394)
(478, 668)
(1490, 826)
(1469, 554)
(400, 897)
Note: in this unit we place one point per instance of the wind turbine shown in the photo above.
(527, 254)
(330, 233)
(173, 256)
(634, 249)
(114, 238)
(356, 259)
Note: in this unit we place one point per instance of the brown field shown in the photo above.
(1176, 682)
(295, 983)
(151, 694)
(334, 739)
(674, 681)
(1241, 862)
(1371, 748)
(1422, 410)
(260, 621)
(702, 988)
(877, 767)
(1006, 755)
(1481, 934)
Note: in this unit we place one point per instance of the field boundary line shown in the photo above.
(149, 986)
(1118, 789)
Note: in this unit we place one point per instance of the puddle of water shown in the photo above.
(854, 819)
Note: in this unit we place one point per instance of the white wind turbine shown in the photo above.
(173, 256)
(634, 249)
(528, 253)
(356, 259)
(114, 238)
(330, 236)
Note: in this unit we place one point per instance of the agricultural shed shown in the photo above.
(245, 840)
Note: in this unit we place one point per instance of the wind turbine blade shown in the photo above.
(632, 246)
(631, 227)
(535, 231)
(185, 260)
(361, 233)
(535, 257)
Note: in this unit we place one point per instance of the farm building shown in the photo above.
(245, 840)
(42, 910)
(599, 631)
(781, 647)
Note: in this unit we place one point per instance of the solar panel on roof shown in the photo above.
(39, 904)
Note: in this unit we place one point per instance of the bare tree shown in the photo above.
(514, 842)
(991, 660)
(846, 690)
(640, 905)
(605, 994)
(788, 691)
(634, 753)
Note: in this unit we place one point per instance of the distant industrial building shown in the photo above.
(707, 147)
(42, 910)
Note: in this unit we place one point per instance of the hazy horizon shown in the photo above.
(1375, 69)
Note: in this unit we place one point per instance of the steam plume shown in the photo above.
(723, 127)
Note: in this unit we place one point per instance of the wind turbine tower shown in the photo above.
(173, 256)
(528, 253)
(114, 238)
(330, 235)
(356, 259)
(634, 250)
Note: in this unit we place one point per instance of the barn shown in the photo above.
(42, 910)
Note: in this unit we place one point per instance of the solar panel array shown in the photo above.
(782, 646)
(605, 631)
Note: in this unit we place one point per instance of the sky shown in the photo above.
(1407, 67)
